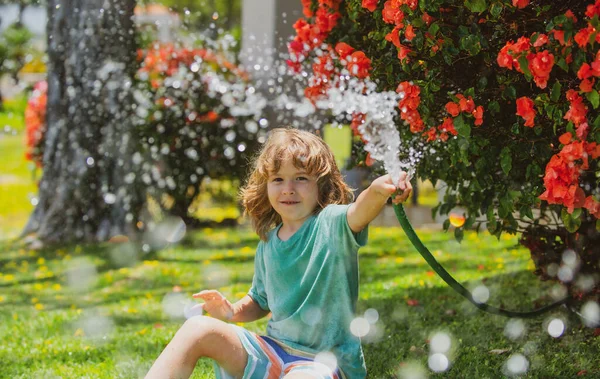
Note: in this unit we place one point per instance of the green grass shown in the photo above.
(17, 186)
(45, 314)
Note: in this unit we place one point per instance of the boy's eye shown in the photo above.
(302, 178)
(277, 179)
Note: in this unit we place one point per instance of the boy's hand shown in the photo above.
(215, 304)
(385, 187)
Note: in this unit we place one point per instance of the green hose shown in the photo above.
(437, 267)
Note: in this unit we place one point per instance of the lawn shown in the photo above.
(107, 311)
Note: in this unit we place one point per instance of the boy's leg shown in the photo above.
(200, 336)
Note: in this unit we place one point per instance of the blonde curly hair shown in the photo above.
(307, 152)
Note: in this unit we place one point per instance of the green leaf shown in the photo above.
(446, 224)
(459, 234)
(596, 122)
(555, 94)
(524, 64)
(493, 107)
(496, 10)
(515, 128)
(433, 29)
(598, 225)
(571, 223)
(506, 160)
(476, 6)
(510, 92)
(482, 83)
(593, 98)
(562, 63)
(461, 127)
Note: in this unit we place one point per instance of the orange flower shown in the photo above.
(466, 105)
(306, 4)
(427, 18)
(520, 3)
(540, 65)
(394, 37)
(430, 134)
(541, 40)
(583, 36)
(592, 206)
(343, 50)
(403, 52)
(392, 14)
(565, 138)
(587, 85)
(448, 126)
(526, 110)
(452, 108)
(409, 33)
(371, 5)
(478, 114)
(577, 112)
(359, 65)
(593, 9)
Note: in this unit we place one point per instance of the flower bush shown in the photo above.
(35, 122)
(503, 95)
(192, 121)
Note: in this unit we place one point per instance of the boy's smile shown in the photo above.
(293, 193)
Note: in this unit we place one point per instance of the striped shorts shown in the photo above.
(271, 359)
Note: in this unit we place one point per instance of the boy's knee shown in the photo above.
(200, 325)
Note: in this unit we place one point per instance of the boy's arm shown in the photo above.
(247, 310)
(372, 200)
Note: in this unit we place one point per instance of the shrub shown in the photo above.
(503, 94)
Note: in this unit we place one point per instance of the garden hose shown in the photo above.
(445, 275)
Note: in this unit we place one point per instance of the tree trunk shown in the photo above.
(88, 191)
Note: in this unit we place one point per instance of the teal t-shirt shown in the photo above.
(310, 285)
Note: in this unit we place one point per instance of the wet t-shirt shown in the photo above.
(310, 284)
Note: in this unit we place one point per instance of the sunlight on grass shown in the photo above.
(79, 311)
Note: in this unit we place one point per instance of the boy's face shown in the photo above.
(293, 194)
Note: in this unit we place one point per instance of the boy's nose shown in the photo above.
(288, 190)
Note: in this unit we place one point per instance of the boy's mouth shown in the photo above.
(290, 202)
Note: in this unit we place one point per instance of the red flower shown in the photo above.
(570, 15)
(577, 110)
(593, 9)
(520, 3)
(559, 35)
(466, 105)
(403, 52)
(326, 21)
(394, 37)
(412, 4)
(478, 114)
(427, 18)
(540, 65)
(409, 33)
(587, 85)
(430, 134)
(583, 36)
(371, 5)
(565, 138)
(306, 4)
(448, 126)
(526, 110)
(592, 206)
(392, 14)
(541, 40)
(359, 65)
(452, 108)
(343, 50)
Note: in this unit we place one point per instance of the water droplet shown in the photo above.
(359, 327)
(556, 328)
